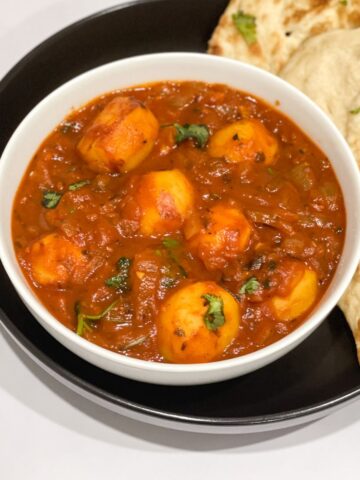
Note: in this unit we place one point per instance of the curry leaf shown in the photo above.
(214, 316)
(198, 133)
(51, 199)
(250, 286)
(246, 26)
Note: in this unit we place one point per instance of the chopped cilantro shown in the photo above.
(198, 133)
(355, 111)
(83, 319)
(214, 316)
(171, 244)
(121, 281)
(250, 286)
(77, 185)
(51, 199)
(246, 26)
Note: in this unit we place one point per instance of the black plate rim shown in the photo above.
(282, 417)
(63, 31)
(304, 414)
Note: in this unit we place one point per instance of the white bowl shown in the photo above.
(178, 66)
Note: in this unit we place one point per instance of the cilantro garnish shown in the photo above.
(77, 185)
(121, 281)
(250, 286)
(198, 133)
(171, 244)
(355, 111)
(214, 316)
(50, 199)
(83, 319)
(246, 25)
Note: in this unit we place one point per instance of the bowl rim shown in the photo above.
(292, 339)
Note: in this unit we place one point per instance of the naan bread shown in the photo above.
(353, 126)
(350, 302)
(282, 26)
(350, 305)
(327, 69)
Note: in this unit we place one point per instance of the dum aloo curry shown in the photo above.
(179, 221)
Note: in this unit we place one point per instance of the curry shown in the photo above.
(179, 222)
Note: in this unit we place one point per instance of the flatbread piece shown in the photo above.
(281, 27)
(327, 69)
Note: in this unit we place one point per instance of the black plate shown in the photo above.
(319, 375)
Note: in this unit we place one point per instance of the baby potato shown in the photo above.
(226, 234)
(56, 261)
(245, 140)
(299, 300)
(120, 137)
(197, 323)
(165, 200)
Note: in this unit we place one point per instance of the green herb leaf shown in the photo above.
(77, 185)
(170, 244)
(121, 281)
(198, 133)
(355, 111)
(246, 25)
(83, 319)
(250, 286)
(214, 316)
(51, 199)
(343, 2)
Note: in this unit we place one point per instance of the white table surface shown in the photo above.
(48, 432)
